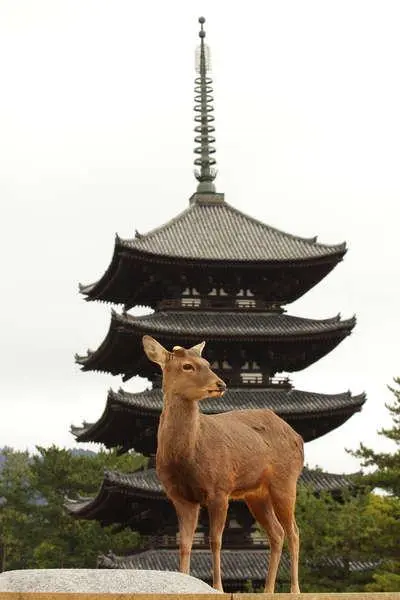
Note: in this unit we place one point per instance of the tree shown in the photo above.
(35, 529)
(17, 509)
(386, 476)
(335, 540)
(60, 475)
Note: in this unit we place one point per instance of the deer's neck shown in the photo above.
(178, 430)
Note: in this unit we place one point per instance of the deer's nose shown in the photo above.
(221, 385)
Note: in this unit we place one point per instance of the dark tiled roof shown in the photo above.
(145, 483)
(236, 565)
(118, 422)
(232, 324)
(214, 230)
(281, 401)
(137, 500)
(215, 326)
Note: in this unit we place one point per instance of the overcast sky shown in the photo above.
(97, 137)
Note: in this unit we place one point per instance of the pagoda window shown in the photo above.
(245, 303)
(226, 366)
(222, 292)
(251, 378)
(186, 292)
(213, 292)
(190, 302)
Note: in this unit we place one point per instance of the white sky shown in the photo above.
(96, 138)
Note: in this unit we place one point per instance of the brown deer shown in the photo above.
(204, 460)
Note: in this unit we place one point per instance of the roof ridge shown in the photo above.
(289, 392)
(312, 240)
(152, 232)
(125, 317)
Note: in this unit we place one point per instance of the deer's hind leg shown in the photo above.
(262, 510)
(284, 501)
(188, 515)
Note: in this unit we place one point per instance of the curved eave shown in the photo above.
(162, 324)
(109, 287)
(94, 291)
(114, 492)
(333, 254)
(122, 411)
(170, 332)
(121, 494)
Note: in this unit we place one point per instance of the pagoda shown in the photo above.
(216, 274)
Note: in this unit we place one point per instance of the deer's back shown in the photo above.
(259, 431)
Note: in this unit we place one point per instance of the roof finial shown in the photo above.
(206, 174)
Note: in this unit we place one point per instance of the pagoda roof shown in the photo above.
(139, 500)
(120, 424)
(116, 356)
(146, 482)
(210, 232)
(282, 401)
(241, 565)
(212, 229)
(229, 325)
(235, 324)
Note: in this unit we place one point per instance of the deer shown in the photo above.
(209, 459)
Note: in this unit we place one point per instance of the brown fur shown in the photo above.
(208, 459)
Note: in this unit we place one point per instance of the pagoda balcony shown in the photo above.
(220, 303)
(251, 379)
(232, 538)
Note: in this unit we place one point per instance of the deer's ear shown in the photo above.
(198, 349)
(154, 351)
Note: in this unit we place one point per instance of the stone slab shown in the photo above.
(103, 581)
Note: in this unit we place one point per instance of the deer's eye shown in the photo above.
(188, 367)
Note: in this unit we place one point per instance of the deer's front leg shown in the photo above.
(217, 509)
(188, 515)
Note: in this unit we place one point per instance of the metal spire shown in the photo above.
(205, 174)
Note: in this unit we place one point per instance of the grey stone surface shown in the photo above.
(102, 581)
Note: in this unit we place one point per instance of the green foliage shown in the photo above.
(17, 511)
(385, 510)
(35, 529)
(386, 474)
(335, 536)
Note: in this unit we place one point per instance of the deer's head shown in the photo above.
(185, 372)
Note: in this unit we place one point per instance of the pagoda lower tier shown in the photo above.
(130, 420)
(237, 342)
(137, 500)
(212, 245)
(238, 568)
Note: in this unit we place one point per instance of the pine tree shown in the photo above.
(386, 476)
